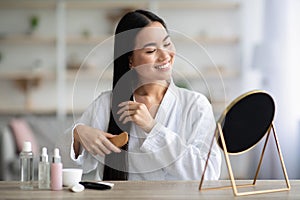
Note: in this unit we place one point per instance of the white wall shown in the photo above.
(277, 56)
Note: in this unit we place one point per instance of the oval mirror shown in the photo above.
(246, 121)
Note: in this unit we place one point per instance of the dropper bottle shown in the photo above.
(44, 170)
(56, 171)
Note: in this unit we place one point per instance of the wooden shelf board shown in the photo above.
(81, 40)
(197, 5)
(105, 4)
(88, 74)
(94, 40)
(17, 111)
(25, 75)
(26, 39)
(29, 4)
(217, 40)
(107, 75)
(209, 39)
(206, 74)
(93, 4)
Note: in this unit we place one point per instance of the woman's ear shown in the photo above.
(130, 62)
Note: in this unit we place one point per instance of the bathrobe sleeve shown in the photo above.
(97, 116)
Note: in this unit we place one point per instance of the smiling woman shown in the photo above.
(170, 128)
(154, 53)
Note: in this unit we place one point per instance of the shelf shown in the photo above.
(51, 75)
(209, 39)
(94, 40)
(107, 75)
(89, 74)
(38, 111)
(25, 74)
(217, 40)
(26, 80)
(93, 4)
(105, 4)
(90, 40)
(20, 111)
(29, 4)
(27, 39)
(197, 5)
(206, 74)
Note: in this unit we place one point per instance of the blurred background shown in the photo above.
(56, 57)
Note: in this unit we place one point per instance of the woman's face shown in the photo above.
(153, 56)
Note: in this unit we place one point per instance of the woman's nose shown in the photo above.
(163, 55)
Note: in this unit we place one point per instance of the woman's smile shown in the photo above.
(163, 67)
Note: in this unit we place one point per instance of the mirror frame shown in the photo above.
(229, 107)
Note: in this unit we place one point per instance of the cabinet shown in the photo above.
(67, 61)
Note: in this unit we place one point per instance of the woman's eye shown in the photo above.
(150, 51)
(167, 44)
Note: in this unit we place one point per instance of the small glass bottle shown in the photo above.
(26, 167)
(56, 171)
(44, 170)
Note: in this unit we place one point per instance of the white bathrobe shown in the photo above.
(175, 149)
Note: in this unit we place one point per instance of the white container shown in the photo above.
(71, 176)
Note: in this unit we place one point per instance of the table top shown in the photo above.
(155, 190)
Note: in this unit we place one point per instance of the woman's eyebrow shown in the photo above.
(166, 38)
(154, 44)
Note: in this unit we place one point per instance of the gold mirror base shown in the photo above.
(230, 172)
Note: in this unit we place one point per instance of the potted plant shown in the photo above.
(34, 23)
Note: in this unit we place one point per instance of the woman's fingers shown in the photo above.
(127, 105)
(126, 114)
(127, 111)
(110, 146)
(96, 141)
(102, 147)
(136, 112)
(96, 151)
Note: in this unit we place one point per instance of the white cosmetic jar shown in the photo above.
(71, 176)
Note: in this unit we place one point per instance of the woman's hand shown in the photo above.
(137, 113)
(93, 140)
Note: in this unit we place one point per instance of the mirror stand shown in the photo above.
(233, 185)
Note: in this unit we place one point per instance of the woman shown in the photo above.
(170, 128)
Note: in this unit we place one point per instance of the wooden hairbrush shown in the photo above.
(120, 140)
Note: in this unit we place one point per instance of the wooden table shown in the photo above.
(153, 190)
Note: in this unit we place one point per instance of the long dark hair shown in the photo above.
(116, 165)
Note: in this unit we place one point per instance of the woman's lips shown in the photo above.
(163, 67)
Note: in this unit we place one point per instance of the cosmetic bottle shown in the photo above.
(44, 170)
(56, 171)
(26, 167)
